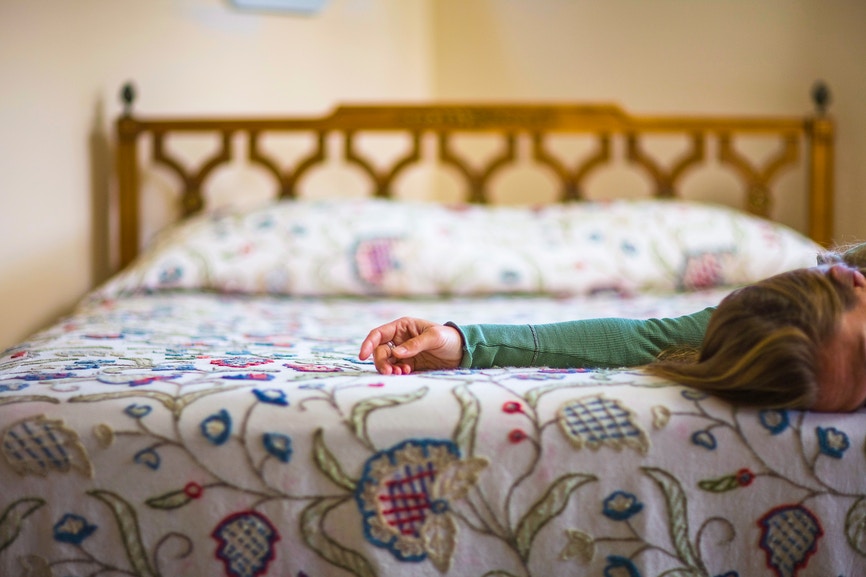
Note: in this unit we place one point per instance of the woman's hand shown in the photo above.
(408, 344)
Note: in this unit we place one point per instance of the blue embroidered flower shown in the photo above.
(620, 506)
(88, 364)
(13, 387)
(628, 248)
(693, 395)
(174, 367)
(620, 567)
(45, 376)
(137, 411)
(272, 396)
(149, 458)
(73, 529)
(217, 428)
(832, 442)
(704, 439)
(408, 491)
(278, 445)
(170, 275)
(775, 421)
(509, 277)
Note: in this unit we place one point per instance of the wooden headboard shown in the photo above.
(605, 124)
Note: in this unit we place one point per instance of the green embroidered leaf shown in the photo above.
(170, 500)
(361, 411)
(328, 464)
(314, 534)
(720, 484)
(28, 399)
(13, 516)
(546, 508)
(677, 507)
(464, 432)
(127, 523)
(855, 525)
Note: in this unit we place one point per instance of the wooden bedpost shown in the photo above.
(820, 129)
(127, 173)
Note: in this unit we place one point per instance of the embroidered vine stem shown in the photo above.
(91, 560)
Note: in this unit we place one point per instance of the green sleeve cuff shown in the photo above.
(590, 343)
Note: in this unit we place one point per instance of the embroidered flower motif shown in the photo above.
(406, 494)
(703, 270)
(311, 368)
(170, 275)
(217, 428)
(38, 446)
(374, 259)
(13, 387)
(246, 543)
(705, 439)
(134, 381)
(278, 445)
(832, 442)
(512, 407)
(249, 377)
(621, 506)
(137, 411)
(517, 436)
(509, 277)
(149, 458)
(240, 362)
(620, 567)
(193, 490)
(774, 420)
(789, 537)
(580, 545)
(745, 477)
(693, 395)
(596, 421)
(45, 376)
(272, 396)
(89, 364)
(73, 529)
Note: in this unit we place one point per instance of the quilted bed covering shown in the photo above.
(192, 434)
(205, 412)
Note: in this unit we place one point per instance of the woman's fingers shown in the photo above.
(407, 344)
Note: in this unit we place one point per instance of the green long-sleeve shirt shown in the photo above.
(600, 343)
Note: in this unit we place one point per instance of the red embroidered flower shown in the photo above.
(517, 436)
(745, 477)
(512, 407)
(193, 490)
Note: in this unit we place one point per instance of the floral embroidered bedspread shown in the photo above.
(197, 434)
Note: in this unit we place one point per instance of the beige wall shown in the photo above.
(61, 63)
(670, 56)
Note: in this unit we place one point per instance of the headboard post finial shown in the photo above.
(127, 96)
(821, 97)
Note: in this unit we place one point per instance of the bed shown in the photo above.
(204, 412)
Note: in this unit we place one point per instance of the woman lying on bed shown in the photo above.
(795, 340)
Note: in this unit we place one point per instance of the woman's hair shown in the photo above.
(763, 343)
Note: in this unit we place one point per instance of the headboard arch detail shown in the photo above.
(603, 124)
